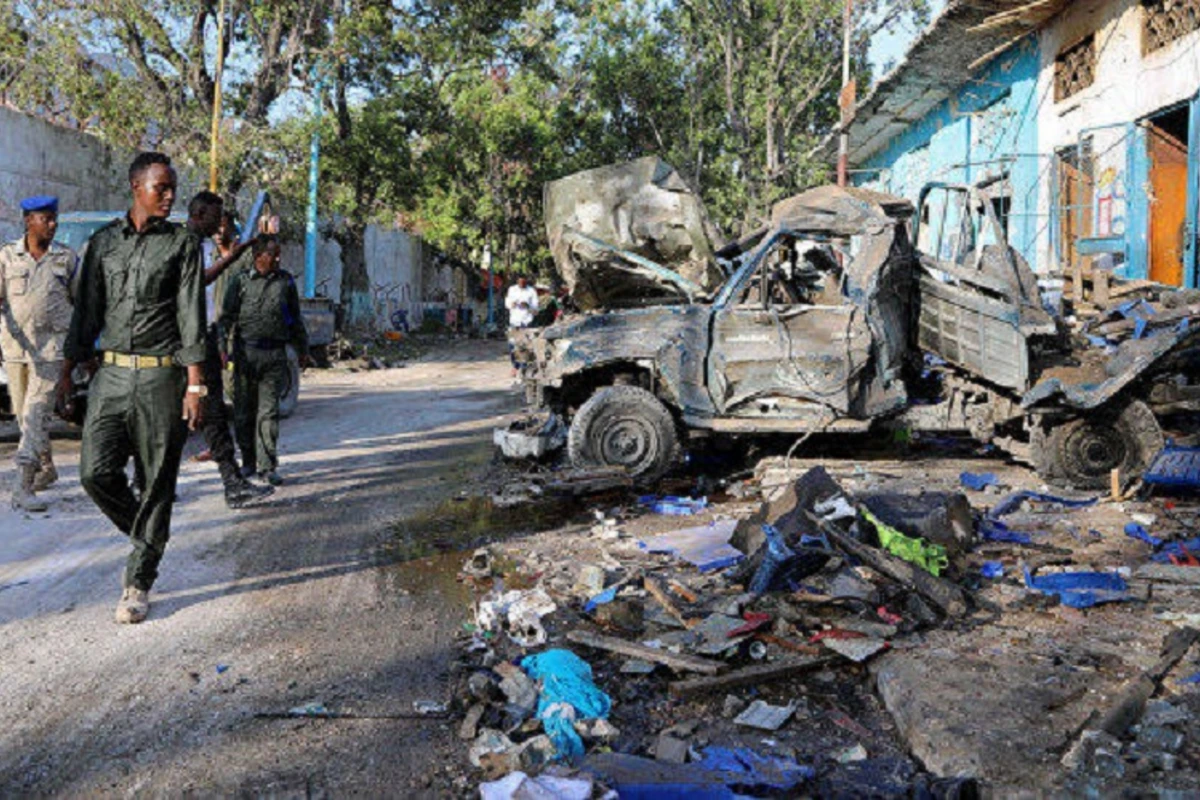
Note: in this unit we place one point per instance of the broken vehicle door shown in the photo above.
(786, 341)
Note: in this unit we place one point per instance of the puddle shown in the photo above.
(425, 552)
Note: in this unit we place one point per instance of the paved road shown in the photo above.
(255, 611)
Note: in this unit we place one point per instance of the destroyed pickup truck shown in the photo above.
(830, 320)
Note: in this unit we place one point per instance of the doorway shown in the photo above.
(1167, 138)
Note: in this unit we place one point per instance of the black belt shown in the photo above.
(265, 344)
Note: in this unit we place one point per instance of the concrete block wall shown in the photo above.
(39, 158)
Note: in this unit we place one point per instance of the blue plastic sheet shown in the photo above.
(705, 547)
(566, 681)
(1080, 589)
(1175, 468)
(742, 768)
(1191, 679)
(995, 531)
(1013, 501)
(1177, 549)
(607, 596)
(1135, 531)
(776, 555)
(978, 481)
(674, 506)
(992, 569)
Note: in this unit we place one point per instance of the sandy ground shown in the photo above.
(295, 601)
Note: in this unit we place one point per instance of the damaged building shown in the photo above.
(1080, 119)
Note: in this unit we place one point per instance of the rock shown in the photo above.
(483, 687)
(732, 706)
(488, 743)
(847, 583)
(1157, 737)
(670, 749)
(597, 730)
(469, 728)
(591, 580)
(1161, 712)
(536, 753)
(519, 690)
(764, 716)
(626, 614)
(850, 754)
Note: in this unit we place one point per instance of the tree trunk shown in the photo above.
(358, 313)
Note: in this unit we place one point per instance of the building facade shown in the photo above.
(1080, 119)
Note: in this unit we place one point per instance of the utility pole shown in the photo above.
(215, 137)
(847, 100)
(314, 171)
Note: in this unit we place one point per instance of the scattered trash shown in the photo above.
(519, 786)
(1080, 589)
(430, 707)
(532, 437)
(1174, 468)
(222, 669)
(747, 771)
(672, 506)
(568, 693)
(851, 754)
(992, 570)
(764, 716)
(518, 613)
(857, 650)
(929, 557)
(706, 547)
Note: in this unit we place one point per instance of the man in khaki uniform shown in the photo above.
(37, 293)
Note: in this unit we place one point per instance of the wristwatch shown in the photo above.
(201, 390)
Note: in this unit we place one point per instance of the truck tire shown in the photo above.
(624, 426)
(289, 391)
(1081, 453)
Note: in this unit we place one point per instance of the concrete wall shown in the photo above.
(987, 128)
(39, 158)
(395, 264)
(1129, 86)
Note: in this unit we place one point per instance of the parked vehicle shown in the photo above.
(829, 320)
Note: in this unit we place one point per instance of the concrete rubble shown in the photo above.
(874, 656)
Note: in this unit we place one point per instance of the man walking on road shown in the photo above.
(141, 293)
(206, 216)
(262, 309)
(37, 292)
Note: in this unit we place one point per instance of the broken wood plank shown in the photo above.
(1169, 573)
(659, 593)
(656, 655)
(749, 676)
(683, 591)
(948, 597)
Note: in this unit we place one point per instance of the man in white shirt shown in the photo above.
(522, 304)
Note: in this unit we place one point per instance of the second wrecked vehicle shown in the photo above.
(829, 320)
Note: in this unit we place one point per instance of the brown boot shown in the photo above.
(23, 498)
(134, 606)
(46, 475)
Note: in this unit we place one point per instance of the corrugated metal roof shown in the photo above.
(961, 39)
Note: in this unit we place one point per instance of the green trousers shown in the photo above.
(135, 413)
(257, 379)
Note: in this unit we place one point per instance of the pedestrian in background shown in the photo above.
(37, 290)
(206, 215)
(141, 295)
(522, 304)
(261, 316)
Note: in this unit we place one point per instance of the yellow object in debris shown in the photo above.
(929, 557)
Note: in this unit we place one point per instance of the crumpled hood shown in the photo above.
(631, 234)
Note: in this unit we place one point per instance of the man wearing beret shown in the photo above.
(37, 293)
(141, 294)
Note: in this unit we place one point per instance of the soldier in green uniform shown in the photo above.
(261, 310)
(141, 294)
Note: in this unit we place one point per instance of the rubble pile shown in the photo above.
(769, 646)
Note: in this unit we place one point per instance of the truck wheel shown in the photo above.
(289, 390)
(624, 426)
(1082, 453)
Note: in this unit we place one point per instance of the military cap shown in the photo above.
(40, 202)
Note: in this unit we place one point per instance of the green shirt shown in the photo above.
(266, 310)
(140, 293)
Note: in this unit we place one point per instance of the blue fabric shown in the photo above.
(607, 596)
(1080, 589)
(995, 531)
(1177, 549)
(978, 482)
(992, 569)
(1135, 531)
(1013, 501)
(566, 679)
(674, 506)
(743, 768)
(40, 202)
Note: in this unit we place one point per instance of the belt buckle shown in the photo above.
(135, 361)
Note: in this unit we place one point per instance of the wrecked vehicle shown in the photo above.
(830, 320)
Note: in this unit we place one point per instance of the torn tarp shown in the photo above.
(1080, 589)
(705, 547)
